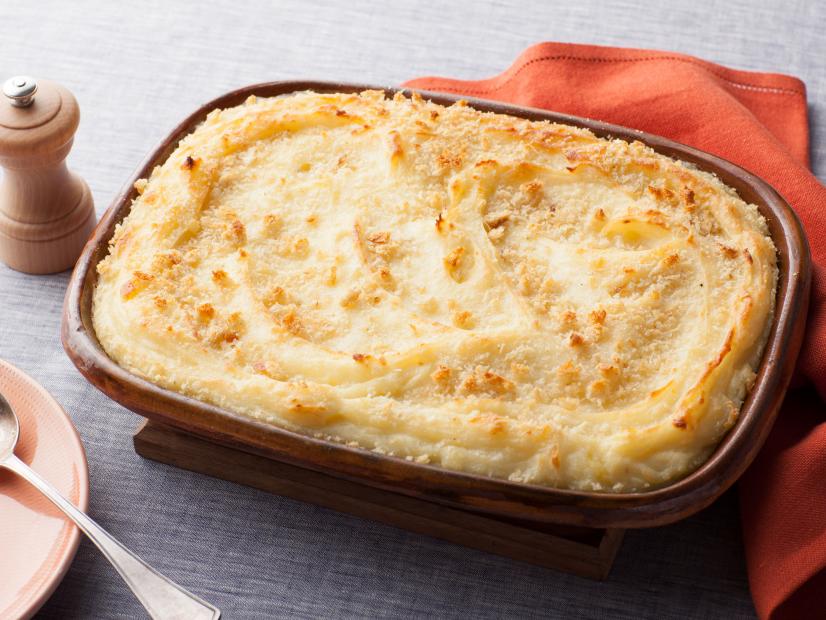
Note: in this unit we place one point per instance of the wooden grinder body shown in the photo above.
(46, 211)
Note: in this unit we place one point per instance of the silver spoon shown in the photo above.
(163, 599)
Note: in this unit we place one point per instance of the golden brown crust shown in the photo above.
(510, 298)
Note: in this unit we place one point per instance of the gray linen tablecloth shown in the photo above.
(137, 70)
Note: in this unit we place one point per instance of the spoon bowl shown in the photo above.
(9, 429)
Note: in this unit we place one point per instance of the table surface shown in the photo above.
(136, 71)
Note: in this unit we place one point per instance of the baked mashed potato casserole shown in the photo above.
(492, 295)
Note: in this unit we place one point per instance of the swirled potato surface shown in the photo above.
(479, 292)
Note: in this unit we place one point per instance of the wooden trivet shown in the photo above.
(582, 551)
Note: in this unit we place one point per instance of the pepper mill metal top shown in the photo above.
(21, 90)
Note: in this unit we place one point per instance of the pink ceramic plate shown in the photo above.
(37, 543)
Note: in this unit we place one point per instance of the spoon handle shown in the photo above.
(163, 599)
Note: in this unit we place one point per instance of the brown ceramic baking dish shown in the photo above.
(494, 496)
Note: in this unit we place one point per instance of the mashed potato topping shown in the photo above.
(488, 294)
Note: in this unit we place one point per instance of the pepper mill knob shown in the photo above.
(20, 89)
(46, 211)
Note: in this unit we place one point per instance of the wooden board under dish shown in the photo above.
(587, 552)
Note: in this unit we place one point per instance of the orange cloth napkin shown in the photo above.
(758, 121)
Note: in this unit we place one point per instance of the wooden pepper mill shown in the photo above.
(46, 211)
